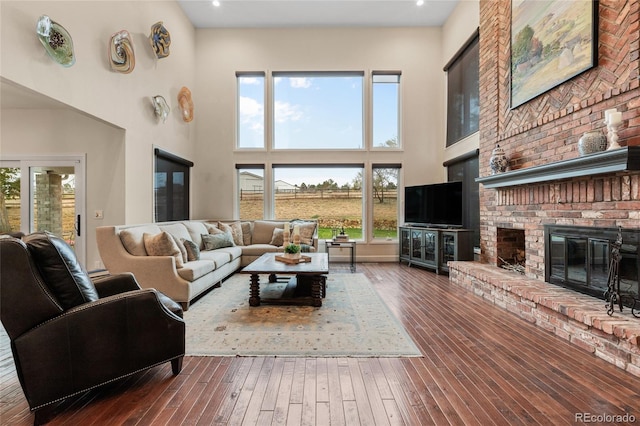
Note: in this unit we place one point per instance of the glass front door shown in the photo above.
(44, 195)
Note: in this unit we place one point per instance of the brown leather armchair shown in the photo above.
(69, 334)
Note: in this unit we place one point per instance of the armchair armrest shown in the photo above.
(111, 285)
(96, 342)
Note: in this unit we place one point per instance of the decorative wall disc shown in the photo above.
(56, 41)
(186, 104)
(160, 40)
(161, 107)
(121, 55)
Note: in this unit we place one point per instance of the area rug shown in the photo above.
(352, 322)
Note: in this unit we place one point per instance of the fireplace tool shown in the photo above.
(612, 295)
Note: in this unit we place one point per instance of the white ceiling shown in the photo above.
(314, 13)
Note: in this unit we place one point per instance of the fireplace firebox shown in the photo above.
(579, 258)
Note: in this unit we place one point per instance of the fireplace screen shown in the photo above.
(579, 258)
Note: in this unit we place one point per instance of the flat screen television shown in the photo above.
(437, 205)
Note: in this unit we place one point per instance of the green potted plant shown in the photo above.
(292, 251)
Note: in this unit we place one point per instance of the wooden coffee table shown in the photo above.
(306, 287)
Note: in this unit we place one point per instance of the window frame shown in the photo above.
(182, 165)
(265, 114)
(372, 104)
(456, 66)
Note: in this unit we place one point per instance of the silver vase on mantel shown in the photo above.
(591, 142)
(498, 161)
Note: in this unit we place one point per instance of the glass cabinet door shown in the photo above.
(405, 243)
(430, 246)
(448, 247)
(416, 244)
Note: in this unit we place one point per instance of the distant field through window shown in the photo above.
(332, 195)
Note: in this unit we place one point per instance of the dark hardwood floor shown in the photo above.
(481, 366)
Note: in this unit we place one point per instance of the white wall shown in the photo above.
(90, 85)
(66, 131)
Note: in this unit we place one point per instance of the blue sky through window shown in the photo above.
(318, 112)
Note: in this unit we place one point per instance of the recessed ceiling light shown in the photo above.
(216, 3)
(420, 2)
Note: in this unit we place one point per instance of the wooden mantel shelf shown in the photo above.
(623, 159)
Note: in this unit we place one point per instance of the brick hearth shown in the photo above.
(577, 318)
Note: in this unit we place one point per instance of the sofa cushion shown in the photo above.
(263, 231)
(193, 270)
(307, 230)
(196, 229)
(178, 230)
(218, 257)
(213, 242)
(163, 244)
(133, 238)
(259, 249)
(235, 229)
(193, 250)
(233, 252)
(60, 269)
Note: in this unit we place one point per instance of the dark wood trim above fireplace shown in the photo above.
(623, 159)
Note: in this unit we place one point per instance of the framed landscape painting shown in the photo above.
(552, 41)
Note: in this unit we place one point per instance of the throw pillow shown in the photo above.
(278, 237)
(193, 251)
(163, 244)
(246, 233)
(132, 244)
(212, 242)
(235, 229)
(181, 247)
(307, 231)
(213, 228)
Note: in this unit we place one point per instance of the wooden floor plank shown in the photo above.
(309, 393)
(335, 393)
(281, 408)
(481, 365)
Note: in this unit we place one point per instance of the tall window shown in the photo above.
(171, 187)
(251, 191)
(331, 194)
(318, 110)
(384, 181)
(463, 92)
(386, 109)
(250, 110)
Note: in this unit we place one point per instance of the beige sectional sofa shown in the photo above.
(164, 255)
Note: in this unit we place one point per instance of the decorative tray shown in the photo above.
(301, 259)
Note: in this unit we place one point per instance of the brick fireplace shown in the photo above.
(549, 183)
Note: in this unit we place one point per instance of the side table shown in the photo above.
(350, 244)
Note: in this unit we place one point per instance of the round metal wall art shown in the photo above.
(161, 107)
(56, 41)
(186, 104)
(121, 55)
(160, 40)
